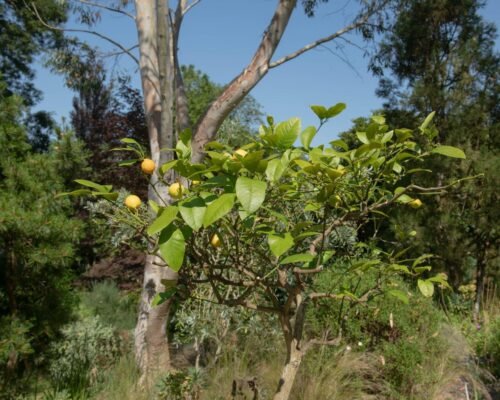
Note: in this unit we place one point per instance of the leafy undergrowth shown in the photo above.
(389, 350)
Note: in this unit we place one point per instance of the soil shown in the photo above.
(125, 269)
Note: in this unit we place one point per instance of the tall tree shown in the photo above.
(37, 234)
(23, 37)
(439, 56)
(167, 114)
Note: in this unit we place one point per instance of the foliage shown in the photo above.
(178, 385)
(201, 91)
(23, 37)
(275, 215)
(440, 56)
(37, 235)
(113, 308)
(87, 347)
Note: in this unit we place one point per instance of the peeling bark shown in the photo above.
(236, 91)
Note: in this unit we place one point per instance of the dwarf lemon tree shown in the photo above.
(258, 225)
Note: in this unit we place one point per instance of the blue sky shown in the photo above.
(220, 36)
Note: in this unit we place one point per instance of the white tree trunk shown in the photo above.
(151, 336)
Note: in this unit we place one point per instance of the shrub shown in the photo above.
(87, 347)
(112, 307)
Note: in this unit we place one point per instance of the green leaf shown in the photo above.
(399, 294)
(251, 160)
(362, 137)
(251, 193)
(193, 211)
(168, 165)
(339, 143)
(126, 163)
(166, 216)
(108, 196)
(280, 243)
(449, 151)
(172, 247)
(130, 141)
(296, 258)
(420, 259)
(287, 132)
(378, 119)
(183, 145)
(218, 208)
(307, 136)
(335, 110)
(154, 206)
(93, 185)
(163, 296)
(320, 111)
(76, 193)
(274, 170)
(426, 288)
(427, 121)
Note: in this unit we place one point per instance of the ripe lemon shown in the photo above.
(215, 241)
(133, 202)
(239, 152)
(416, 203)
(176, 190)
(148, 166)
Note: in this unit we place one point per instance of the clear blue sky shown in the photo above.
(220, 36)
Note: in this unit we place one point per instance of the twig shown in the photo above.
(105, 7)
(100, 35)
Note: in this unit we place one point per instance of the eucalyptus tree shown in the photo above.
(159, 24)
(440, 56)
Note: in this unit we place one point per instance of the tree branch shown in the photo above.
(236, 91)
(190, 6)
(100, 35)
(318, 42)
(105, 7)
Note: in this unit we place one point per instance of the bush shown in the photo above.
(112, 307)
(87, 348)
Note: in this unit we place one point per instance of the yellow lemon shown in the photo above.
(239, 152)
(148, 166)
(215, 241)
(415, 203)
(133, 202)
(176, 190)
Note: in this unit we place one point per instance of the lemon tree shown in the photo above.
(255, 224)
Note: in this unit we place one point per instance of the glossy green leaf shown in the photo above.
(193, 212)
(165, 218)
(163, 296)
(172, 247)
(307, 135)
(362, 137)
(378, 119)
(335, 110)
(111, 196)
(425, 287)
(167, 166)
(297, 258)
(320, 111)
(449, 151)
(280, 243)
(93, 185)
(427, 121)
(286, 133)
(218, 208)
(250, 193)
(76, 193)
(274, 170)
(127, 163)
